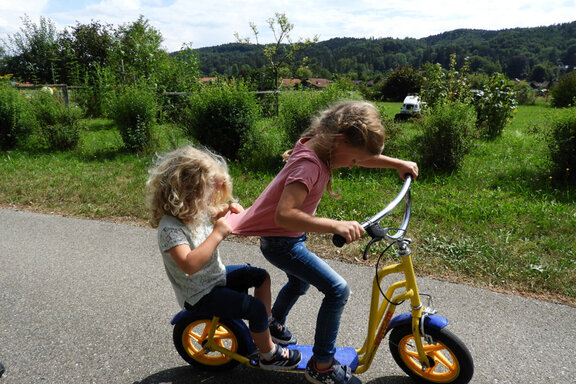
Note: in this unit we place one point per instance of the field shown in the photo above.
(501, 222)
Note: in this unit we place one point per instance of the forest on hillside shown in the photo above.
(538, 54)
(101, 55)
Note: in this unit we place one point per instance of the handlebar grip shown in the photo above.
(338, 241)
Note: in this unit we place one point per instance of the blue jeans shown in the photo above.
(233, 301)
(303, 269)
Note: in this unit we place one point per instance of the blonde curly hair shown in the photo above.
(190, 184)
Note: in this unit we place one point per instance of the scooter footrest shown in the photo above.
(345, 355)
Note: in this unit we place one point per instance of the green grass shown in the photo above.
(501, 222)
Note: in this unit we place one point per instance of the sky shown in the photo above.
(214, 22)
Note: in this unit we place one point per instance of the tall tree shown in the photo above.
(138, 50)
(86, 47)
(34, 51)
(282, 50)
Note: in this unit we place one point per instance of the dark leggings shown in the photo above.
(233, 301)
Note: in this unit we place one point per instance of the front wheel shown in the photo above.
(190, 336)
(450, 360)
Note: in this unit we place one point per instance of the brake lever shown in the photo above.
(374, 230)
(376, 233)
(368, 246)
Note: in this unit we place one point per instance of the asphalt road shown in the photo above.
(87, 301)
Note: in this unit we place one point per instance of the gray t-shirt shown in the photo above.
(189, 288)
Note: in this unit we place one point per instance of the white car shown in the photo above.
(411, 107)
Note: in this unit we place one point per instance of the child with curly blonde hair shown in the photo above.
(189, 191)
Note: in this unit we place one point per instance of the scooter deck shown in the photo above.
(345, 355)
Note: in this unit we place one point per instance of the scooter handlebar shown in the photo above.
(338, 240)
(404, 194)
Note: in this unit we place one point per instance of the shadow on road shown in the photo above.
(188, 375)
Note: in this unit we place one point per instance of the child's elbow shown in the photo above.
(280, 219)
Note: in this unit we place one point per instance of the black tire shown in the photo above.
(190, 334)
(452, 361)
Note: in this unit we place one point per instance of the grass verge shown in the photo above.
(501, 222)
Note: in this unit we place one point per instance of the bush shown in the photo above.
(263, 147)
(440, 86)
(396, 143)
(398, 84)
(297, 108)
(495, 106)
(220, 116)
(15, 119)
(447, 136)
(525, 94)
(564, 93)
(562, 145)
(97, 96)
(135, 115)
(57, 124)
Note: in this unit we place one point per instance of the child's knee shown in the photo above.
(341, 291)
(262, 278)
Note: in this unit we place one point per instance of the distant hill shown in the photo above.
(515, 52)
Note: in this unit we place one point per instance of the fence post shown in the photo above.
(65, 95)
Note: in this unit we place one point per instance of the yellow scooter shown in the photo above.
(419, 341)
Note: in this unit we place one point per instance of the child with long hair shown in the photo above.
(345, 135)
(189, 191)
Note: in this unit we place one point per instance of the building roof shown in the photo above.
(290, 82)
(318, 82)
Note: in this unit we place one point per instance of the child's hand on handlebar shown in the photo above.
(407, 167)
(350, 230)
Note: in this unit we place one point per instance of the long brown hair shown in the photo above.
(358, 121)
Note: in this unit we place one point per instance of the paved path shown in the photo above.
(86, 301)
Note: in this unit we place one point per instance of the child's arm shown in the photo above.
(290, 216)
(192, 260)
(402, 166)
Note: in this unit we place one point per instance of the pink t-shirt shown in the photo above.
(304, 167)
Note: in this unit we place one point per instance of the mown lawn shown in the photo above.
(501, 222)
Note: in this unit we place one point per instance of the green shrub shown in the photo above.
(494, 99)
(263, 147)
(564, 93)
(395, 143)
(297, 108)
(135, 115)
(495, 106)
(97, 96)
(398, 84)
(58, 125)
(562, 145)
(220, 116)
(525, 94)
(441, 86)
(15, 119)
(447, 136)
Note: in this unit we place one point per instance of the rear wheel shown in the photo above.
(449, 359)
(191, 334)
